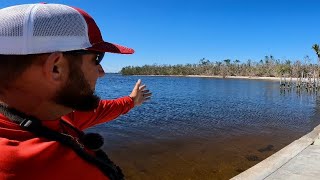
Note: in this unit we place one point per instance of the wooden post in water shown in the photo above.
(285, 82)
(314, 79)
(317, 81)
(302, 79)
(298, 82)
(282, 82)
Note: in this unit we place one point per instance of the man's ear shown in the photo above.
(55, 68)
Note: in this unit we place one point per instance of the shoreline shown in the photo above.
(231, 77)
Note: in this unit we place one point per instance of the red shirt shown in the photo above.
(25, 156)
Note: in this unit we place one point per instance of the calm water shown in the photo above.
(202, 128)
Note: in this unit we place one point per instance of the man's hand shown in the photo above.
(140, 94)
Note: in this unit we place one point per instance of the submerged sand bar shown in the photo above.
(298, 160)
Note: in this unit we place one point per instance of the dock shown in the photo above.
(298, 160)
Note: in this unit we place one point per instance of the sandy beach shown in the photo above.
(245, 77)
(234, 77)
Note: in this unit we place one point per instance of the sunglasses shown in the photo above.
(99, 55)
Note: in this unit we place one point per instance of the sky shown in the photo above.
(185, 31)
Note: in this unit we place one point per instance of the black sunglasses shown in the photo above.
(99, 55)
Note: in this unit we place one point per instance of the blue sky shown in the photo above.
(184, 31)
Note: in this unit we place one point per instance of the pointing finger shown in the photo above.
(138, 84)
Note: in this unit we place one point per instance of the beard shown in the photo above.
(77, 93)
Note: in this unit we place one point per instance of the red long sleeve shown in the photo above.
(107, 111)
(26, 156)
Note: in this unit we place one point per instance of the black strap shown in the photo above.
(34, 125)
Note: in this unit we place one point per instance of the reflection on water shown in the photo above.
(203, 128)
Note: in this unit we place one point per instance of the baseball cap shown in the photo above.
(44, 28)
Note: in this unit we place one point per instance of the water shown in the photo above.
(202, 128)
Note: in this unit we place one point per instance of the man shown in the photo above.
(50, 58)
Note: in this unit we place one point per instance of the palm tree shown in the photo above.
(227, 61)
(316, 48)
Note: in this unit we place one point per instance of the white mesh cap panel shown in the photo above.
(63, 21)
(11, 20)
(43, 28)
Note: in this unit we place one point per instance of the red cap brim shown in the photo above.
(112, 48)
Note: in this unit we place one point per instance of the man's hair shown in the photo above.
(12, 66)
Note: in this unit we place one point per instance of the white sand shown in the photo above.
(236, 77)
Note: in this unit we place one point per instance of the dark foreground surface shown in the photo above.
(203, 128)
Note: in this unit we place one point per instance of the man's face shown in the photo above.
(77, 93)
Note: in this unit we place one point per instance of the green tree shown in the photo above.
(204, 61)
(227, 61)
(316, 48)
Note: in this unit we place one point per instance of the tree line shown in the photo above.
(269, 66)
